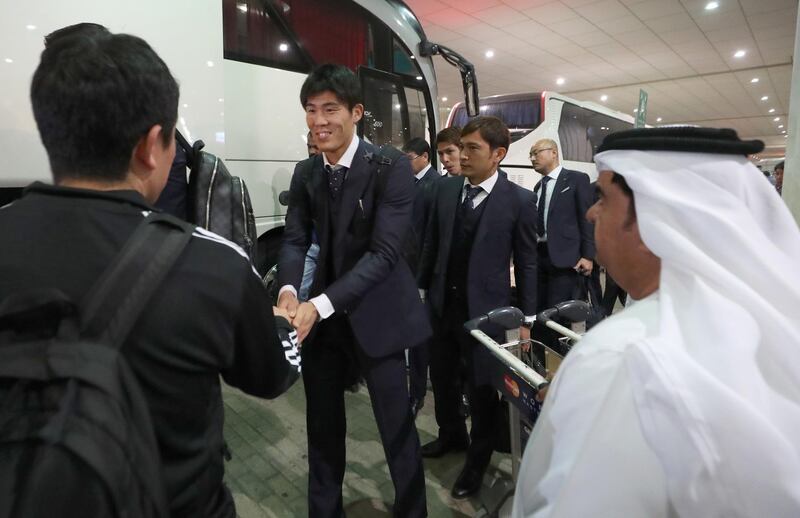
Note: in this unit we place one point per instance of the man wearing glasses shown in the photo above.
(418, 152)
(565, 238)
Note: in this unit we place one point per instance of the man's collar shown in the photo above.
(127, 196)
(346, 159)
(422, 173)
(487, 185)
(555, 172)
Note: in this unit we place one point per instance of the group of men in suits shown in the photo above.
(364, 307)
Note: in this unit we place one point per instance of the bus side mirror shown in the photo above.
(467, 70)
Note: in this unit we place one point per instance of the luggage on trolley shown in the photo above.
(518, 374)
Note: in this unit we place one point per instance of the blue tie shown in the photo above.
(540, 208)
(469, 196)
(335, 179)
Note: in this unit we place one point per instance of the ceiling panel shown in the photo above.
(676, 50)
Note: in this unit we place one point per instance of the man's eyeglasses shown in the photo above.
(413, 157)
(537, 151)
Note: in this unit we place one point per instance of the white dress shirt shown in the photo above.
(322, 302)
(551, 188)
(486, 186)
(422, 173)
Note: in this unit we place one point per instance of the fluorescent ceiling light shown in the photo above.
(740, 54)
(604, 98)
(560, 81)
(711, 6)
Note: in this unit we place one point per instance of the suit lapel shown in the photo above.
(561, 184)
(493, 202)
(451, 197)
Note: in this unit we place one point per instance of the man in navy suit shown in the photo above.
(364, 307)
(565, 236)
(477, 224)
(418, 152)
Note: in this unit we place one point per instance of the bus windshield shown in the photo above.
(522, 114)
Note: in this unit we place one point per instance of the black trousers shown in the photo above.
(327, 364)
(452, 354)
(554, 285)
(419, 358)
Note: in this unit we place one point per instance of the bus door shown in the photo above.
(394, 112)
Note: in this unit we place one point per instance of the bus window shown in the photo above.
(520, 115)
(296, 34)
(417, 114)
(253, 34)
(581, 131)
(385, 118)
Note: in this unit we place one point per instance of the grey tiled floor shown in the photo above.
(268, 473)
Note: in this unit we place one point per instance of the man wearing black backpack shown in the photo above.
(116, 321)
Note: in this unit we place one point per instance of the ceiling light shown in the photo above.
(185, 105)
(30, 27)
(658, 119)
(754, 80)
(9, 60)
(711, 6)
(636, 110)
(221, 100)
(739, 54)
(560, 81)
(412, 57)
(766, 97)
(772, 110)
(242, 7)
(283, 47)
(489, 53)
(444, 99)
(419, 78)
(210, 63)
(776, 119)
(604, 98)
(780, 126)
(396, 106)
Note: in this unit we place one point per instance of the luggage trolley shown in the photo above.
(519, 382)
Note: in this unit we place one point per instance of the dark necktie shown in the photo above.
(335, 179)
(469, 196)
(540, 208)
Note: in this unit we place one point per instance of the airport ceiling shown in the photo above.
(723, 63)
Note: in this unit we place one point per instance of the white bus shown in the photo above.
(240, 65)
(577, 126)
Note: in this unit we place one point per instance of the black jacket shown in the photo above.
(570, 236)
(212, 316)
(373, 284)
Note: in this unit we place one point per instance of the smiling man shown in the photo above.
(687, 402)
(364, 308)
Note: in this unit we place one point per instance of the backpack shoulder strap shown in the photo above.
(114, 303)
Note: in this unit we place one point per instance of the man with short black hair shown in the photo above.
(479, 223)
(418, 152)
(448, 147)
(364, 308)
(106, 106)
(779, 178)
(669, 397)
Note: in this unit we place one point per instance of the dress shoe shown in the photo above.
(438, 447)
(468, 483)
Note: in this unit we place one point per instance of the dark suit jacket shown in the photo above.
(569, 235)
(374, 286)
(423, 190)
(507, 227)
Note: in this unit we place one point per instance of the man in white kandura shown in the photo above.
(686, 403)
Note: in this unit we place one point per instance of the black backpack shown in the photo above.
(76, 437)
(217, 200)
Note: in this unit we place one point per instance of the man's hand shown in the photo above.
(288, 301)
(584, 266)
(305, 318)
(525, 334)
(280, 312)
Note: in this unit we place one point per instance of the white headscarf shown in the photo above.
(718, 389)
